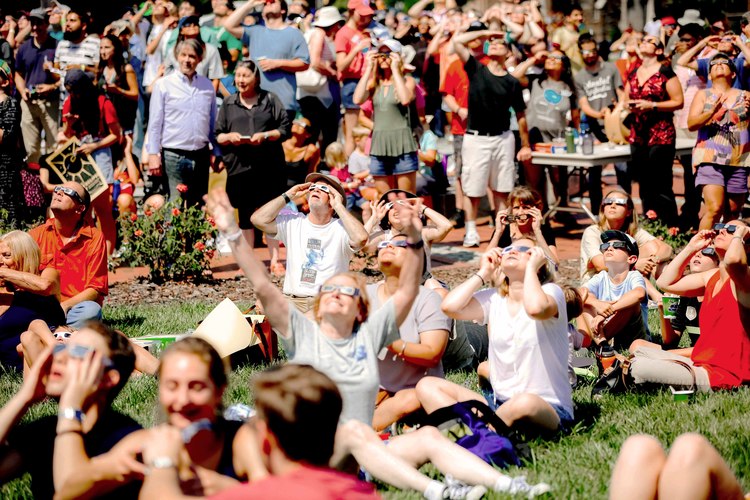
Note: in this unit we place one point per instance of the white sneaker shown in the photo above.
(519, 485)
(458, 490)
(472, 240)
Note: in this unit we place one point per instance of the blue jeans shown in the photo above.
(189, 168)
(83, 312)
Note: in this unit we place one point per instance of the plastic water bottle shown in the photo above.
(587, 142)
(115, 192)
(570, 141)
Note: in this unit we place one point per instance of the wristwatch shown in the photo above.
(286, 197)
(72, 414)
(417, 246)
(265, 136)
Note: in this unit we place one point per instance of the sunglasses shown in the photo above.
(392, 243)
(556, 57)
(496, 39)
(729, 228)
(79, 352)
(616, 201)
(519, 249)
(343, 290)
(716, 62)
(70, 192)
(320, 187)
(619, 245)
(61, 334)
(709, 251)
(517, 218)
(390, 204)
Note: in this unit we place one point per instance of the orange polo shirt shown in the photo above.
(82, 262)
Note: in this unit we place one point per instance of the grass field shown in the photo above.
(577, 465)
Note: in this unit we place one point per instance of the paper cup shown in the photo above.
(670, 306)
(682, 396)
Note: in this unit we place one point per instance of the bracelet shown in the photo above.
(72, 414)
(286, 197)
(739, 238)
(480, 277)
(162, 463)
(233, 236)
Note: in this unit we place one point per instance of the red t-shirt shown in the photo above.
(723, 347)
(107, 118)
(308, 483)
(82, 262)
(346, 38)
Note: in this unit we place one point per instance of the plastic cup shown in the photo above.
(681, 396)
(670, 306)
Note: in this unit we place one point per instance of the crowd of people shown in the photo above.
(321, 129)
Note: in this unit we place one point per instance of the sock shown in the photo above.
(459, 211)
(434, 491)
(471, 226)
(502, 484)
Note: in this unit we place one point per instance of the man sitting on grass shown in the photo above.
(612, 297)
(86, 375)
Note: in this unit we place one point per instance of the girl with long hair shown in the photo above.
(117, 80)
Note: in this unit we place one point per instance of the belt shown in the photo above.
(484, 134)
(188, 153)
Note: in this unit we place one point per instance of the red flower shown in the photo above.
(200, 246)
(134, 217)
(182, 188)
(651, 215)
(674, 231)
(210, 254)
(175, 212)
(148, 212)
(137, 233)
(211, 220)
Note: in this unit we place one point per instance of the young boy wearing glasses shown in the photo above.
(612, 297)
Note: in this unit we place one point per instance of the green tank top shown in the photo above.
(391, 134)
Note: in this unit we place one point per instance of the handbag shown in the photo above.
(310, 80)
(615, 379)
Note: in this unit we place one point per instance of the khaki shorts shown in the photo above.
(303, 304)
(488, 161)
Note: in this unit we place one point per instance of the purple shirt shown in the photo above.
(30, 61)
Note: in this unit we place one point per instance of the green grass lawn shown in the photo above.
(577, 465)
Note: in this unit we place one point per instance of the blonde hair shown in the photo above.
(359, 132)
(545, 274)
(335, 156)
(632, 224)
(25, 251)
(364, 304)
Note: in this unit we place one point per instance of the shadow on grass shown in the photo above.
(125, 322)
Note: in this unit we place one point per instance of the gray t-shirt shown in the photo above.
(600, 88)
(549, 104)
(425, 315)
(352, 363)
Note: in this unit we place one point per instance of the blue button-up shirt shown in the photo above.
(182, 114)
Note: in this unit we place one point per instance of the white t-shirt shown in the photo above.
(424, 316)
(603, 288)
(313, 253)
(528, 356)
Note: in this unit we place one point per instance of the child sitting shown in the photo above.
(612, 297)
(336, 161)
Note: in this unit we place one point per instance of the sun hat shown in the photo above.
(691, 16)
(328, 179)
(327, 17)
(393, 45)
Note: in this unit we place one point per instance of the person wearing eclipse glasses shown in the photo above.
(318, 246)
(719, 359)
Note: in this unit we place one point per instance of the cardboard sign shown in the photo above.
(82, 169)
(226, 329)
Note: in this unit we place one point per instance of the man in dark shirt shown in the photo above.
(85, 374)
(489, 145)
(38, 87)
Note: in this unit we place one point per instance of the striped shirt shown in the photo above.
(71, 54)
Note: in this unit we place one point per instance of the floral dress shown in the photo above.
(11, 159)
(651, 127)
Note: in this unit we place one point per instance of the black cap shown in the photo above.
(476, 26)
(614, 235)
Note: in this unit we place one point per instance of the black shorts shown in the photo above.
(249, 191)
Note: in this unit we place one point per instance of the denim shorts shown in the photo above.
(347, 94)
(734, 179)
(381, 166)
(566, 419)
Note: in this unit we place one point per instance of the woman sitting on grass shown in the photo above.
(344, 342)
(192, 380)
(25, 294)
(528, 335)
(721, 357)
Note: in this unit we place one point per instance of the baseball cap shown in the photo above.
(668, 21)
(362, 7)
(614, 235)
(476, 26)
(393, 45)
(38, 15)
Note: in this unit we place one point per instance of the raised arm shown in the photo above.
(460, 302)
(441, 229)
(460, 41)
(736, 262)
(233, 24)
(536, 302)
(672, 277)
(688, 58)
(354, 228)
(265, 217)
(274, 302)
(411, 271)
(365, 85)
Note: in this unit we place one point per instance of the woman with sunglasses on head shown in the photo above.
(552, 97)
(618, 212)
(652, 92)
(528, 334)
(524, 218)
(393, 152)
(208, 457)
(720, 358)
(250, 128)
(26, 294)
(344, 342)
(722, 151)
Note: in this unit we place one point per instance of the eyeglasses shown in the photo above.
(390, 204)
(343, 290)
(79, 352)
(616, 201)
(519, 249)
(619, 245)
(61, 334)
(709, 251)
(320, 187)
(70, 192)
(392, 243)
(729, 228)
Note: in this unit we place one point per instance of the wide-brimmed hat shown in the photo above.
(691, 16)
(385, 224)
(614, 235)
(328, 179)
(327, 17)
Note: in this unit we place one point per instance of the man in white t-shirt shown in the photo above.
(317, 245)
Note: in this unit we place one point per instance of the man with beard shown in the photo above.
(318, 246)
(78, 48)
